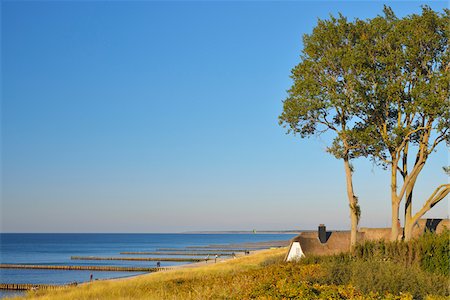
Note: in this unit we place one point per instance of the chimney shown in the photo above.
(322, 233)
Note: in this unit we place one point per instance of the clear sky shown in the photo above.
(162, 117)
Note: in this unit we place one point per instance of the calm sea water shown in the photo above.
(56, 249)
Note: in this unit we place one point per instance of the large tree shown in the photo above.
(322, 98)
(382, 86)
(405, 92)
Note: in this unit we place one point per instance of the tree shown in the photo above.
(382, 86)
(322, 98)
(406, 98)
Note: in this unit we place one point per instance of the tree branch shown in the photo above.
(439, 193)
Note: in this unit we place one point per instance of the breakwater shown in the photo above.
(180, 253)
(30, 286)
(138, 258)
(90, 268)
(204, 249)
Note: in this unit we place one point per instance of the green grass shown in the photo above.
(430, 251)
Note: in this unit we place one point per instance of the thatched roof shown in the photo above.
(337, 242)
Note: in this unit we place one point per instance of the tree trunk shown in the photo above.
(409, 190)
(353, 202)
(409, 226)
(395, 230)
(407, 232)
(409, 220)
(395, 203)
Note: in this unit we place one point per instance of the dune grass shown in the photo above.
(183, 283)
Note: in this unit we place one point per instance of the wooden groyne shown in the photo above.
(138, 258)
(203, 249)
(90, 268)
(224, 249)
(179, 253)
(30, 286)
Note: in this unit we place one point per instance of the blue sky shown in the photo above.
(162, 117)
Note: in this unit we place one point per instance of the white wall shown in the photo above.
(295, 252)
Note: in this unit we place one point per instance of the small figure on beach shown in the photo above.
(206, 258)
(215, 258)
(158, 264)
(91, 277)
(233, 254)
(247, 252)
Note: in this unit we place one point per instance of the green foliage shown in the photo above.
(446, 170)
(418, 267)
(377, 276)
(435, 252)
(376, 83)
(322, 97)
(430, 251)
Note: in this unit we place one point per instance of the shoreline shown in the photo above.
(252, 248)
(160, 285)
(271, 244)
(262, 246)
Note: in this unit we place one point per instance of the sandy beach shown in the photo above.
(253, 248)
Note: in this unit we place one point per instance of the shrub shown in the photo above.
(435, 252)
(430, 251)
(382, 277)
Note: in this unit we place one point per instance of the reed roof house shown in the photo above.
(325, 242)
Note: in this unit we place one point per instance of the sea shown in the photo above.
(57, 249)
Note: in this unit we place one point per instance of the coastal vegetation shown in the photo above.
(417, 269)
(381, 86)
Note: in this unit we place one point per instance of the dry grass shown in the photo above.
(183, 283)
(264, 276)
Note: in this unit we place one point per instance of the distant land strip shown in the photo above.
(92, 268)
(201, 250)
(137, 258)
(248, 246)
(247, 232)
(180, 253)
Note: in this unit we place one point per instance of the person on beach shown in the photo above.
(158, 264)
(206, 258)
(233, 254)
(91, 277)
(215, 258)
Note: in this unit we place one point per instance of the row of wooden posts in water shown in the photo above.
(30, 286)
(181, 253)
(90, 268)
(177, 259)
(168, 251)
(189, 249)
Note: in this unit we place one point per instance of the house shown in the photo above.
(324, 242)
(309, 243)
